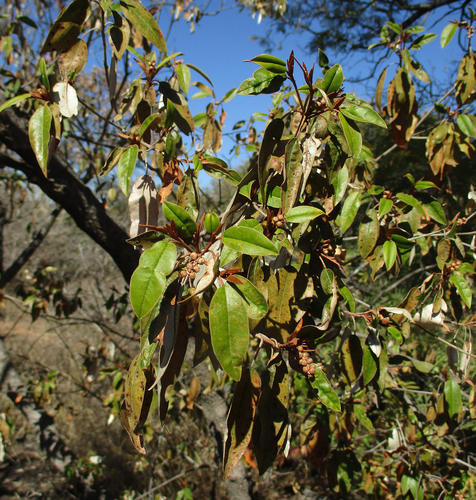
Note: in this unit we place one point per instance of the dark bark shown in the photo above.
(64, 187)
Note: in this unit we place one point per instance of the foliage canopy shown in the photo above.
(287, 292)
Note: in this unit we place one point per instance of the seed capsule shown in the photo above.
(193, 256)
(192, 275)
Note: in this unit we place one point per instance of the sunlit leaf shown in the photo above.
(389, 254)
(303, 213)
(126, 166)
(325, 392)
(262, 82)
(229, 330)
(249, 241)
(453, 397)
(352, 135)
(39, 134)
(144, 22)
(270, 63)
(253, 300)
(333, 79)
(447, 34)
(369, 231)
(14, 100)
(362, 114)
(349, 210)
(183, 220)
(463, 288)
(146, 289)
(161, 257)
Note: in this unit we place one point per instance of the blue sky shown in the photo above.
(221, 44)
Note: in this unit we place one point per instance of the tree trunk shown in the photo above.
(63, 186)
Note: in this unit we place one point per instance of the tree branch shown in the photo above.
(65, 188)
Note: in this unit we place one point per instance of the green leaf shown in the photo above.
(253, 300)
(385, 205)
(352, 135)
(183, 76)
(362, 114)
(339, 183)
(348, 298)
(351, 357)
(466, 124)
(293, 167)
(125, 167)
(369, 364)
(403, 244)
(67, 27)
(396, 334)
(186, 226)
(270, 63)
(229, 330)
(413, 202)
(333, 79)
(396, 28)
(409, 484)
(453, 397)
(447, 34)
(248, 241)
(14, 100)
(303, 213)
(147, 288)
(323, 60)
(389, 254)
(218, 169)
(325, 392)
(144, 22)
(167, 59)
(327, 281)
(425, 185)
(463, 288)
(349, 210)
(262, 82)
(111, 161)
(74, 60)
(369, 231)
(423, 40)
(39, 134)
(434, 209)
(379, 89)
(161, 257)
(148, 122)
(229, 96)
(200, 72)
(359, 412)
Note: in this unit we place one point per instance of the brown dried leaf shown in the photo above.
(240, 419)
